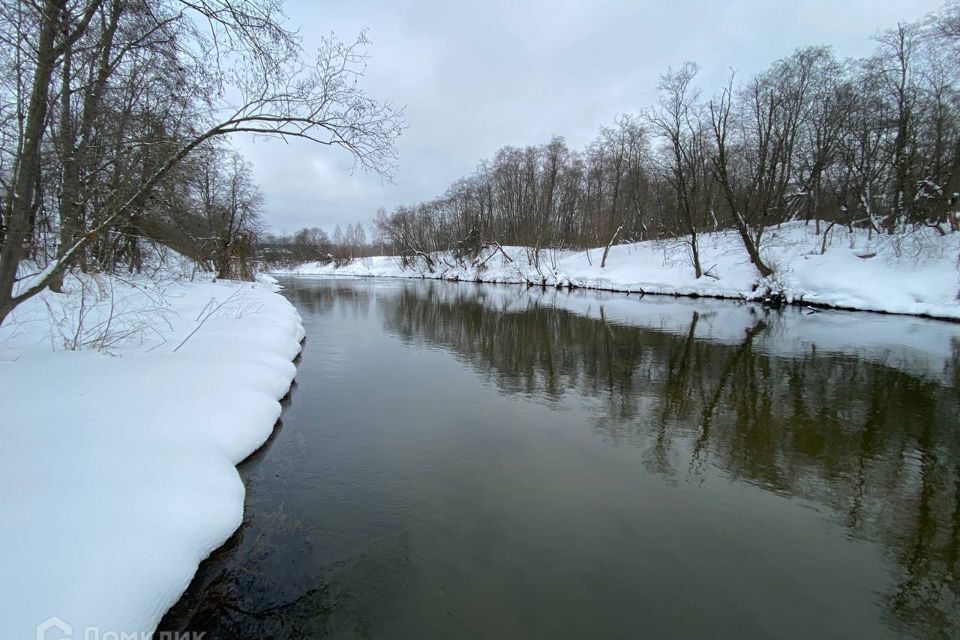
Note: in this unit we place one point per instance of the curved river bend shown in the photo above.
(475, 461)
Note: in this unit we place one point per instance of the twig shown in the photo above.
(212, 311)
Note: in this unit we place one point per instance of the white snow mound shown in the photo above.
(117, 470)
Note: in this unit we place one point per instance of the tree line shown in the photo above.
(313, 244)
(871, 143)
(113, 121)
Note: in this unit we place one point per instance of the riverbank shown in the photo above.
(914, 273)
(127, 404)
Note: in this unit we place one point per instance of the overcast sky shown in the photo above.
(478, 76)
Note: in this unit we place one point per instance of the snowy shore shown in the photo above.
(118, 465)
(907, 343)
(914, 273)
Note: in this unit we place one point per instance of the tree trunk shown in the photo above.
(20, 198)
(695, 250)
(603, 261)
(750, 245)
(74, 142)
(70, 189)
(738, 221)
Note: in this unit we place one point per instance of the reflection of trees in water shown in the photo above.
(537, 351)
(877, 444)
(326, 297)
(952, 373)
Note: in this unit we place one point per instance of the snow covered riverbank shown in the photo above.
(918, 345)
(914, 273)
(117, 470)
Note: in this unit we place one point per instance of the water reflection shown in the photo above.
(350, 298)
(573, 496)
(866, 437)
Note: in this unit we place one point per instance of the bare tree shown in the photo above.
(679, 121)
(720, 110)
(257, 81)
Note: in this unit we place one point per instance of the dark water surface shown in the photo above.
(468, 461)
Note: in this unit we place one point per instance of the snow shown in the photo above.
(909, 343)
(911, 273)
(118, 466)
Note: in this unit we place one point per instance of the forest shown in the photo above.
(869, 143)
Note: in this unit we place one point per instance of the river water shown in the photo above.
(476, 461)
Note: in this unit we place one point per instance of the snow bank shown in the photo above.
(909, 343)
(913, 273)
(117, 469)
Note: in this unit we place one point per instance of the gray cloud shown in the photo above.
(478, 76)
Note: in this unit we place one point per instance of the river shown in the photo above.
(476, 461)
